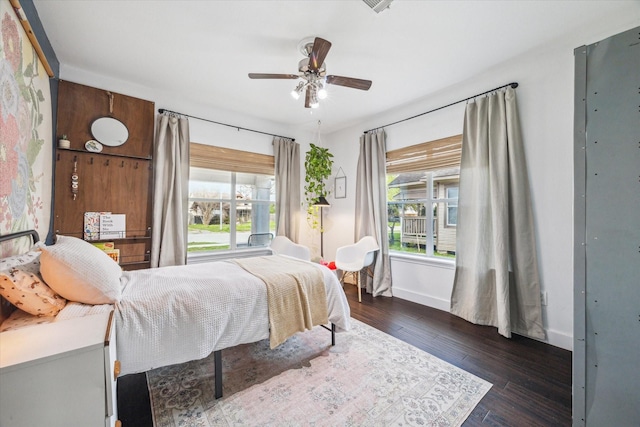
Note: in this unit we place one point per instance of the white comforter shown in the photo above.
(172, 315)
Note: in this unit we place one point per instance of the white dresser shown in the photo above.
(60, 374)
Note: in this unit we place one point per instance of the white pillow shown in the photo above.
(80, 272)
(27, 292)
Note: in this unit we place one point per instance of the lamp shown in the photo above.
(321, 203)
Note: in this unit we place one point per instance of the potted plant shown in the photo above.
(317, 163)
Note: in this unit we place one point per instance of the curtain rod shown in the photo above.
(513, 86)
(162, 110)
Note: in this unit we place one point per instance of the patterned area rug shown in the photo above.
(368, 379)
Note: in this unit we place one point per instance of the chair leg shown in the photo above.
(357, 274)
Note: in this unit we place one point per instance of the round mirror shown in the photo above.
(109, 131)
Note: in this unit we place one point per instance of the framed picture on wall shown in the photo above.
(341, 187)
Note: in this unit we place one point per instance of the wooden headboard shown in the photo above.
(6, 308)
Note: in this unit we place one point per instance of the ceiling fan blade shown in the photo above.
(349, 82)
(307, 98)
(318, 53)
(272, 76)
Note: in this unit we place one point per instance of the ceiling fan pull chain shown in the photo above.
(319, 138)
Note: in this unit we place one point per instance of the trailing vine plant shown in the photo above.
(317, 163)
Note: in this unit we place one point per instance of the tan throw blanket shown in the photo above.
(296, 294)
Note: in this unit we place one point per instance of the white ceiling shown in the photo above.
(202, 51)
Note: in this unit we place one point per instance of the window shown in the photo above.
(422, 197)
(231, 199)
(452, 206)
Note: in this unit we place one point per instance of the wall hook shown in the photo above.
(74, 180)
(110, 95)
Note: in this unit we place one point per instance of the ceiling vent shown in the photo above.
(378, 5)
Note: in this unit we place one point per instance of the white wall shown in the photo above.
(545, 99)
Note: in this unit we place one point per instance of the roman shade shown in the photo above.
(228, 159)
(427, 156)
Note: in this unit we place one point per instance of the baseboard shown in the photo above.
(554, 338)
(560, 339)
(440, 304)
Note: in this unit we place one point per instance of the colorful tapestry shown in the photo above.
(25, 134)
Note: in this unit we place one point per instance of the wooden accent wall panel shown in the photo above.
(79, 106)
(117, 180)
(106, 184)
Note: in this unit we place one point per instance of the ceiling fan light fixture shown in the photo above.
(322, 92)
(313, 102)
(312, 75)
(295, 93)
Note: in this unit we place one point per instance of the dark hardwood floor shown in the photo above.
(531, 380)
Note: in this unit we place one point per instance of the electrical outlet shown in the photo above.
(543, 297)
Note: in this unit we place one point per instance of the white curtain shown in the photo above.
(287, 174)
(496, 281)
(171, 192)
(371, 208)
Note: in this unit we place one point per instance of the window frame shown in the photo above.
(428, 158)
(449, 201)
(234, 162)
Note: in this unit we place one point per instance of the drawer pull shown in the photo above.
(116, 369)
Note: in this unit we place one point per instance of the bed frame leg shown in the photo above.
(217, 362)
(333, 334)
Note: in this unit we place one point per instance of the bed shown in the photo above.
(171, 315)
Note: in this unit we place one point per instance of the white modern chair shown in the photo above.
(281, 245)
(351, 259)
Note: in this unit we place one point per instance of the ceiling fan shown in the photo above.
(313, 73)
